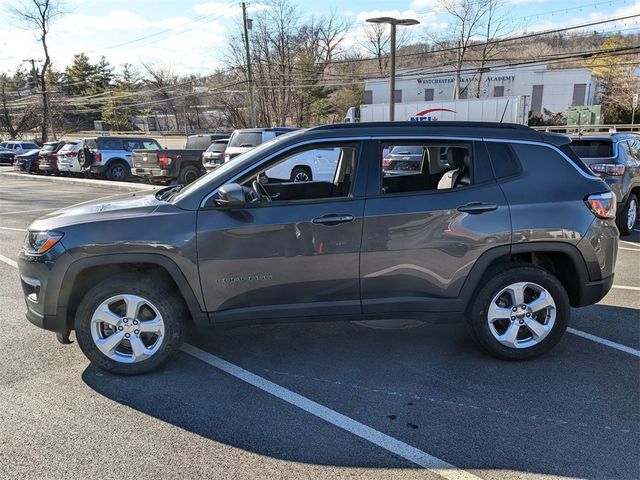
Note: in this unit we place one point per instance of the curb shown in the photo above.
(117, 186)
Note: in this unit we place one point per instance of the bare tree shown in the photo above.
(377, 42)
(495, 24)
(37, 15)
(17, 113)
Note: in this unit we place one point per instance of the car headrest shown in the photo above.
(457, 156)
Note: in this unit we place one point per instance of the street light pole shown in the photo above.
(392, 76)
(393, 22)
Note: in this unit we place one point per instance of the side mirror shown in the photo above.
(231, 195)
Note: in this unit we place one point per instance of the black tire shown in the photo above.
(476, 315)
(623, 215)
(188, 174)
(301, 174)
(118, 171)
(161, 295)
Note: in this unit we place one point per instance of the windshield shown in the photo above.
(245, 139)
(223, 169)
(592, 148)
(217, 147)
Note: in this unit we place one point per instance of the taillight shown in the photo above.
(71, 154)
(386, 162)
(98, 157)
(603, 205)
(614, 169)
(164, 160)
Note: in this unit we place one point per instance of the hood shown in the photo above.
(118, 206)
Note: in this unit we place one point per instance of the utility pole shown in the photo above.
(634, 105)
(245, 23)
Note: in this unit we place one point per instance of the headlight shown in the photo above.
(37, 243)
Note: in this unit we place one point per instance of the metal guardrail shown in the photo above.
(589, 128)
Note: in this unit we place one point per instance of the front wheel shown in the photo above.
(130, 326)
(520, 313)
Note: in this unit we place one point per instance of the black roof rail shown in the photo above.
(515, 126)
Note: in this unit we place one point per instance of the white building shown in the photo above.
(553, 90)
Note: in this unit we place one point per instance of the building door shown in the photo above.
(536, 98)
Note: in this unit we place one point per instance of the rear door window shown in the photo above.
(504, 161)
(110, 144)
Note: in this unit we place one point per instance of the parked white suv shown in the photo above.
(68, 157)
(311, 165)
(245, 139)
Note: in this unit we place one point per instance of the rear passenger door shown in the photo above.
(424, 228)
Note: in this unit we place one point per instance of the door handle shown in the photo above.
(477, 207)
(332, 219)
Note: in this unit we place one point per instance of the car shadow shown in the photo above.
(430, 387)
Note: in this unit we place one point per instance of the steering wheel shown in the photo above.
(260, 190)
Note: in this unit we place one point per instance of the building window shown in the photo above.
(536, 98)
(464, 92)
(428, 94)
(368, 97)
(498, 91)
(397, 96)
(579, 91)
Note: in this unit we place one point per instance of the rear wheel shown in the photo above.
(118, 171)
(627, 217)
(130, 326)
(520, 313)
(188, 174)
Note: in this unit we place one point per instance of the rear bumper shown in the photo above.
(593, 292)
(152, 172)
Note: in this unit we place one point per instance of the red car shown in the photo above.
(49, 157)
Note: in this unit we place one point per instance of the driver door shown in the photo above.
(294, 256)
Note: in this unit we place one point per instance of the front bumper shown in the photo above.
(41, 279)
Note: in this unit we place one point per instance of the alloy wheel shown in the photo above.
(301, 177)
(127, 328)
(632, 213)
(521, 315)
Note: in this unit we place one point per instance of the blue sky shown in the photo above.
(99, 27)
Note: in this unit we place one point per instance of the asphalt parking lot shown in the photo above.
(336, 400)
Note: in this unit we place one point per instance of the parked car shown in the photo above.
(49, 157)
(616, 159)
(19, 146)
(403, 159)
(27, 161)
(112, 155)
(201, 141)
(213, 156)
(163, 166)
(230, 249)
(307, 166)
(6, 155)
(68, 157)
(243, 140)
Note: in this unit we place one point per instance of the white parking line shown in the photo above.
(28, 211)
(625, 287)
(630, 243)
(604, 341)
(8, 261)
(13, 229)
(393, 445)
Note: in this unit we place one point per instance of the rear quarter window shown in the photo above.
(109, 144)
(503, 159)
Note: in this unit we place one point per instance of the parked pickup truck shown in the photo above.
(165, 165)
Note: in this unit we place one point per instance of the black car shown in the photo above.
(6, 155)
(28, 161)
(521, 232)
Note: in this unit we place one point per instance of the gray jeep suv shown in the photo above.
(616, 159)
(500, 225)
